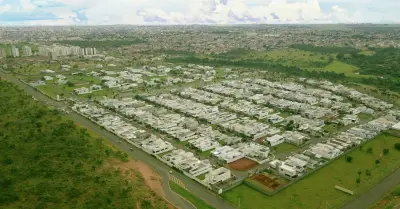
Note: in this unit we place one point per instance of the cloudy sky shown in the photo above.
(161, 12)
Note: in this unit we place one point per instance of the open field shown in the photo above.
(198, 203)
(317, 190)
(243, 164)
(285, 148)
(348, 70)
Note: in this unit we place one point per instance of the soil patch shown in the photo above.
(243, 164)
(270, 183)
(151, 178)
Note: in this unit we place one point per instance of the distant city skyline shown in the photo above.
(172, 12)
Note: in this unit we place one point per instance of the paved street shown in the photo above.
(378, 191)
(194, 187)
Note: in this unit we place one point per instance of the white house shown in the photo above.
(48, 78)
(228, 154)
(218, 175)
(200, 167)
(396, 126)
(38, 83)
(82, 90)
(288, 170)
(283, 168)
(275, 140)
(95, 87)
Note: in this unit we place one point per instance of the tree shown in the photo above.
(358, 181)
(367, 172)
(385, 151)
(369, 150)
(397, 146)
(359, 173)
(349, 159)
(70, 84)
(377, 162)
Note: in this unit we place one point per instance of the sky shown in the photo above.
(173, 12)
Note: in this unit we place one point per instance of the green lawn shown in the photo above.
(367, 52)
(202, 176)
(285, 148)
(206, 153)
(317, 190)
(331, 128)
(340, 67)
(365, 117)
(200, 204)
(52, 90)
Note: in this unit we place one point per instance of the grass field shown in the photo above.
(285, 148)
(317, 190)
(367, 52)
(200, 204)
(340, 67)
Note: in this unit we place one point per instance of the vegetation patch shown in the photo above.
(197, 202)
(47, 161)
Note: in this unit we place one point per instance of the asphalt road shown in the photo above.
(161, 168)
(377, 192)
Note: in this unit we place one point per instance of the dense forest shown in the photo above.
(46, 161)
(384, 62)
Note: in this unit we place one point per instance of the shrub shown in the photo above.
(397, 146)
(349, 159)
(385, 151)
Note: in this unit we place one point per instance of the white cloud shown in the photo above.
(5, 8)
(209, 11)
(27, 5)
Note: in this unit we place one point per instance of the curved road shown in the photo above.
(161, 168)
(376, 193)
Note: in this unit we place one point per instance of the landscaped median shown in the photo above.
(369, 165)
(197, 202)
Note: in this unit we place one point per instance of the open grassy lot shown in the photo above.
(367, 52)
(200, 204)
(340, 67)
(317, 190)
(285, 148)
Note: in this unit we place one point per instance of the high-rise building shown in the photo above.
(27, 51)
(2, 53)
(52, 55)
(14, 51)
